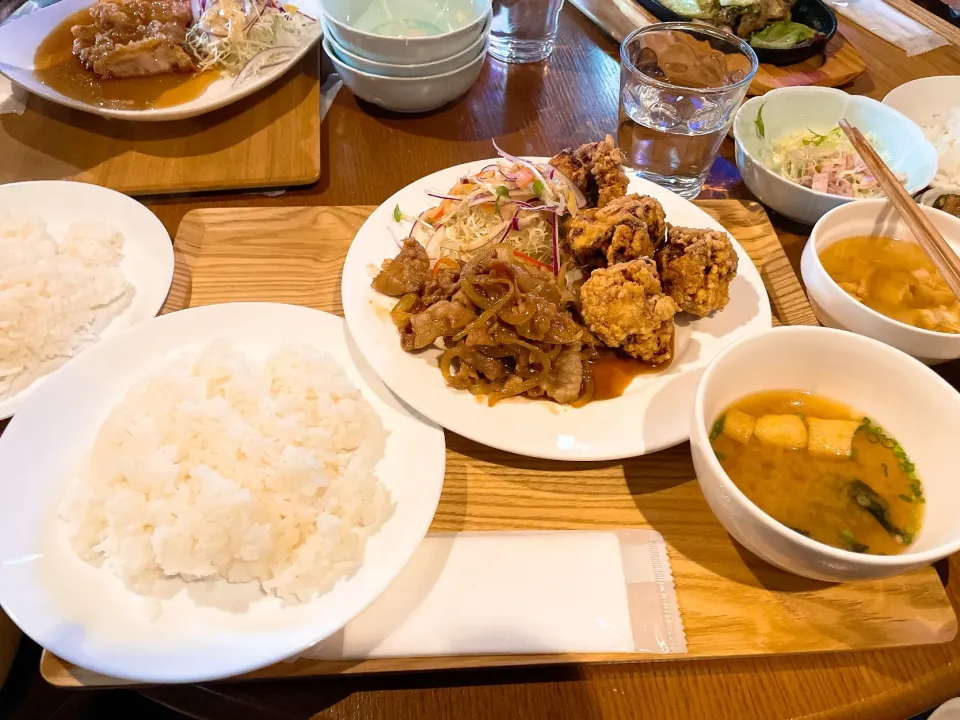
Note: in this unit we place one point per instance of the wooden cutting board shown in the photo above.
(732, 603)
(840, 64)
(270, 139)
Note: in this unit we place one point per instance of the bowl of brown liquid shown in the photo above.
(864, 272)
(823, 452)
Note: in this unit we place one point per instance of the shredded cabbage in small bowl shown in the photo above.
(826, 163)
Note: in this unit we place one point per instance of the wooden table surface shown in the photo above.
(537, 109)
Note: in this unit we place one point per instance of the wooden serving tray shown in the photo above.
(840, 64)
(732, 603)
(270, 139)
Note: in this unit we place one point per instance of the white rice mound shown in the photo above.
(224, 468)
(943, 130)
(55, 298)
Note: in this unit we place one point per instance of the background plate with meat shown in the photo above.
(20, 38)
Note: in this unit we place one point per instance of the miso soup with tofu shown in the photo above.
(821, 469)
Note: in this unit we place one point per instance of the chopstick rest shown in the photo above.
(535, 592)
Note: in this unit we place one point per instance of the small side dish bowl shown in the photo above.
(814, 14)
(925, 101)
(836, 308)
(411, 71)
(408, 32)
(407, 94)
(789, 110)
(913, 403)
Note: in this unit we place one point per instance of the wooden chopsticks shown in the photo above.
(928, 237)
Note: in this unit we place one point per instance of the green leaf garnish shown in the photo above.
(538, 188)
(397, 215)
(759, 122)
(502, 192)
(717, 428)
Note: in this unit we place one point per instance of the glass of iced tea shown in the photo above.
(680, 86)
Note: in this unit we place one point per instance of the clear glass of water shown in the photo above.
(680, 86)
(524, 31)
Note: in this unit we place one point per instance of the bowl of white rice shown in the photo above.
(209, 492)
(933, 103)
(78, 262)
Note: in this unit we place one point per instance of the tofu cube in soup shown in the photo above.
(739, 426)
(783, 431)
(831, 438)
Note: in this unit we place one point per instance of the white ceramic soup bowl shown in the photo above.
(788, 110)
(910, 401)
(406, 31)
(407, 95)
(407, 71)
(836, 308)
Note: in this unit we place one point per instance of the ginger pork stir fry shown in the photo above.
(511, 323)
(506, 324)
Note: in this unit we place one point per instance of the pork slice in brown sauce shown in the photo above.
(408, 272)
(566, 376)
(443, 318)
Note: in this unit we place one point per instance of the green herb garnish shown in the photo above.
(538, 188)
(906, 498)
(502, 192)
(720, 456)
(759, 121)
(397, 215)
(717, 428)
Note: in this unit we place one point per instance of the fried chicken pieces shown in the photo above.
(696, 268)
(596, 169)
(628, 228)
(630, 304)
(624, 306)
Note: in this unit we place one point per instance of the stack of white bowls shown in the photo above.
(407, 55)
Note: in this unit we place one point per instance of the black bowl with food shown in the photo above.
(781, 32)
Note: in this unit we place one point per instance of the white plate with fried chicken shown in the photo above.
(155, 59)
(550, 308)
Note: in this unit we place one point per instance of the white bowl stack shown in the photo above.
(407, 55)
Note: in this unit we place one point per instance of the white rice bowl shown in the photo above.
(223, 468)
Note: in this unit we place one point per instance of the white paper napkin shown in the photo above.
(890, 24)
(493, 593)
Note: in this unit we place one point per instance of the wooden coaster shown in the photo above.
(270, 139)
(731, 602)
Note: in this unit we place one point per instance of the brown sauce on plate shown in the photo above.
(612, 373)
(58, 68)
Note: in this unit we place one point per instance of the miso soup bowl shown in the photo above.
(907, 398)
(836, 308)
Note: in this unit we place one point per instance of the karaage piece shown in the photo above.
(596, 169)
(696, 268)
(628, 228)
(624, 306)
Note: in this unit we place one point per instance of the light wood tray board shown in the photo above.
(270, 139)
(732, 603)
(840, 64)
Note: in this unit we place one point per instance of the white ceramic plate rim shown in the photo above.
(920, 185)
(148, 250)
(625, 427)
(217, 95)
(205, 645)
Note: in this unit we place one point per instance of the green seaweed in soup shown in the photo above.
(822, 470)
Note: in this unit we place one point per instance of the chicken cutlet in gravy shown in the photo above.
(141, 64)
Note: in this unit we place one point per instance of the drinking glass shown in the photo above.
(680, 86)
(524, 31)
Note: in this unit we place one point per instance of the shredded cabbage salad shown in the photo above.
(244, 37)
(826, 163)
(513, 201)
